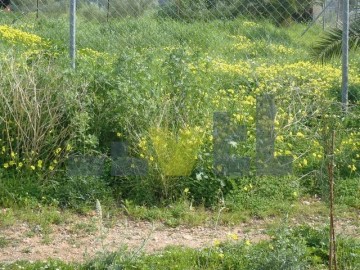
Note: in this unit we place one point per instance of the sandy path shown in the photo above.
(69, 244)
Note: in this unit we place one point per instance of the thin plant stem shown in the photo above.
(332, 251)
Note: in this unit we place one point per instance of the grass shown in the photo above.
(262, 201)
(173, 215)
(84, 228)
(39, 219)
(4, 242)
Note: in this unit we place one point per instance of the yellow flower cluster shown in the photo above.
(242, 68)
(92, 56)
(90, 53)
(281, 49)
(248, 47)
(175, 154)
(300, 89)
(19, 37)
(14, 161)
(243, 43)
(250, 24)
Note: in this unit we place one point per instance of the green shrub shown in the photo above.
(348, 249)
(281, 12)
(186, 10)
(79, 192)
(19, 191)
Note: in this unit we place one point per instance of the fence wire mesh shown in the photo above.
(110, 13)
(163, 68)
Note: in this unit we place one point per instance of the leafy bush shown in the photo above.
(186, 10)
(35, 125)
(19, 191)
(348, 249)
(79, 192)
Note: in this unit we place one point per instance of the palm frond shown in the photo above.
(329, 45)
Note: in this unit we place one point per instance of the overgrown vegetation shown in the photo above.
(158, 91)
(155, 84)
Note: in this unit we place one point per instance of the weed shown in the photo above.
(84, 228)
(4, 242)
(7, 217)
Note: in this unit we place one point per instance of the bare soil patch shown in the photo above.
(82, 237)
(81, 240)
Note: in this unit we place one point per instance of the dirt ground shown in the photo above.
(82, 238)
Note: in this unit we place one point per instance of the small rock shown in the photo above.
(187, 237)
(37, 229)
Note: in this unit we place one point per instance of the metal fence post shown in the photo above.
(37, 9)
(345, 57)
(73, 32)
(108, 11)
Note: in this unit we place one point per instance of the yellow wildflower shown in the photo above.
(233, 236)
(300, 135)
(216, 242)
(68, 147)
(352, 167)
(39, 163)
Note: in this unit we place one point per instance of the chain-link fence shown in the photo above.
(108, 15)
(328, 13)
(238, 105)
(333, 13)
(160, 74)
